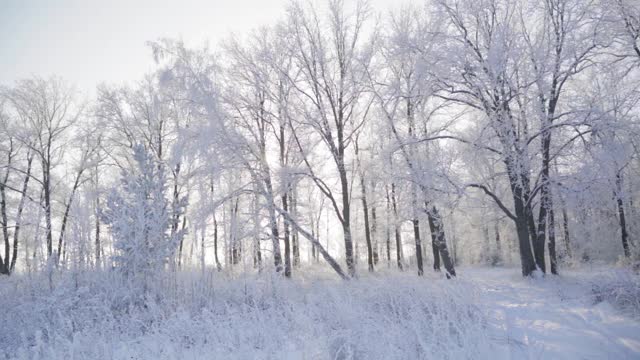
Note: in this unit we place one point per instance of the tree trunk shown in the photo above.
(367, 233)
(365, 210)
(416, 230)
(434, 240)
(4, 266)
(295, 244)
(184, 226)
(374, 236)
(434, 243)
(416, 234)
(97, 240)
(215, 243)
(287, 244)
(236, 251)
(273, 223)
(346, 217)
(285, 206)
(387, 228)
(545, 204)
(315, 235)
(496, 228)
(553, 258)
(414, 200)
(441, 241)
(174, 204)
(565, 230)
(487, 243)
(325, 254)
(65, 217)
(621, 216)
(46, 185)
(16, 232)
(257, 253)
(396, 227)
(522, 228)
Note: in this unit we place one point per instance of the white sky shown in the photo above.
(91, 41)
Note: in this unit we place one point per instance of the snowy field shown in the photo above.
(485, 313)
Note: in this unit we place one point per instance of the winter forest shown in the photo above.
(442, 179)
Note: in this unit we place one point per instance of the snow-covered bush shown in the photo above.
(621, 289)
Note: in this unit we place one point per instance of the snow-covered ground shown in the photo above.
(555, 317)
(485, 313)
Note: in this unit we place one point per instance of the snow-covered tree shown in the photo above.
(140, 219)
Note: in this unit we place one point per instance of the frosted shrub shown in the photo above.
(620, 288)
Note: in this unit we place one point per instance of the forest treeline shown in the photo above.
(439, 132)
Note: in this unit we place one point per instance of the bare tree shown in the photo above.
(47, 109)
(331, 54)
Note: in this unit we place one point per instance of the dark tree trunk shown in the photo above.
(414, 200)
(553, 258)
(215, 243)
(45, 160)
(184, 226)
(23, 196)
(4, 269)
(387, 229)
(565, 230)
(285, 206)
(436, 253)
(273, 223)
(416, 234)
(5, 266)
(294, 233)
(621, 216)
(257, 255)
(365, 211)
(47, 210)
(416, 230)
(174, 204)
(374, 237)
(236, 250)
(65, 217)
(496, 229)
(522, 228)
(537, 242)
(434, 242)
(367, 233)
(487, 243)
(287, 243)
(325, 254)
(97, 240)
(346, 218)
(441, 241)
(396, 227)
(545, 205)
(315, 235)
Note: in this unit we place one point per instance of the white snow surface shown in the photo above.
(557, 317)
(486, 313)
